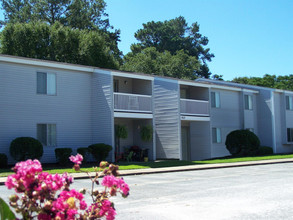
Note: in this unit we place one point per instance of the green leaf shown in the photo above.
(5, 211)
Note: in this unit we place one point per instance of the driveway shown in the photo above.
(252, 192)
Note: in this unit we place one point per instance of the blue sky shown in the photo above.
(247, 37)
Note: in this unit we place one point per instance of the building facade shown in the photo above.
(66, 105)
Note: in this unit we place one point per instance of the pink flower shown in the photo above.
(112, 181)
(76, 159)
(69, 202)
(24, 177)
(107, 210)
(43, 216)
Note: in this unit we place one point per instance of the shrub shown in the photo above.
(100, 151)
(3, 161)
(242, 143)
(62, 155)
(24, 148)
(146, 133)
(264, 150)
(84, 151)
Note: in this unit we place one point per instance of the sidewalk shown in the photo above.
(182, 168)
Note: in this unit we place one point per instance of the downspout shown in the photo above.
(273, 122)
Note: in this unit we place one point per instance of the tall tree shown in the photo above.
(173, 36)
(271, 81)
(150, 61)
(76, 14)
(58, 43)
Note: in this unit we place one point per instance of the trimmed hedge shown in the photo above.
(24, 148)
(3, 161)
(84, 151)
(264, 151)
(62, 155)
(242, 143)
(100, 151)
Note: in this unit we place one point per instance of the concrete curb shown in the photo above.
(181, 168)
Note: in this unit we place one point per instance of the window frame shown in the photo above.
(289, 135)
(216, 135)
(49, 85)
(50, 137)
(215, 99)
(289, 102)
(248, 102)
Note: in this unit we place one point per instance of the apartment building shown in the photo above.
(67, 105)
(270, 114)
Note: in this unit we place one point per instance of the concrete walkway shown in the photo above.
(181, 168)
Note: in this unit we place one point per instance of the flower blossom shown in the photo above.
(24, 176)
(76, 159)
(112, 181)
(69, 202)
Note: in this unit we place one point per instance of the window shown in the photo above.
(289, 102)
(215, 98)
(46, 134)
(216, 133)
(289, 134)
(248, 102)
(46, 83)
(116, 85)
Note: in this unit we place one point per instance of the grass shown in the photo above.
(167, 163)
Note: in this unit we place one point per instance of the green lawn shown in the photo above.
(168, 163)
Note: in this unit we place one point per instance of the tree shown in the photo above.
(58, 43)
(77, 14)
(173, 36)
(150, 61)
(271, 81)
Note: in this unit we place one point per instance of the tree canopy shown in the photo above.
(271, 81)
(86, 15)
(170, 38)
(58, 43)
(151, 61)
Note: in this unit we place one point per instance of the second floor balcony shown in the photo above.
(125, 102)
(194, 107)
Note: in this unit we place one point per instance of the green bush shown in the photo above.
(100, 151)
(62, 155)
(264, 150)
(242, 143)
(84, 151)
(3, 161)
(24, 148)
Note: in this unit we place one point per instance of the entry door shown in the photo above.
(185, 143)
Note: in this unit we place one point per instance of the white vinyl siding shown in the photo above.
(248, 102)
(289, 102)
(215, 99)
(46, 134)
(46, 83)
(216, 135)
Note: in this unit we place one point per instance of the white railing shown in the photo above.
(132, 102)
(194, 107)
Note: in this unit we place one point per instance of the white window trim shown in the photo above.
(51, 83)
(289, 100)
(290, 136)
(248, 102)
(216, 101)
(218, 136)
(48, 137)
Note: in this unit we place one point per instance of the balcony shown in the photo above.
(125, 102)
(194, 107)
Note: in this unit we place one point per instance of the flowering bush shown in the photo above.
(47, 196)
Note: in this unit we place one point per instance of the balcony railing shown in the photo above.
(132, 102)
(194, 107)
